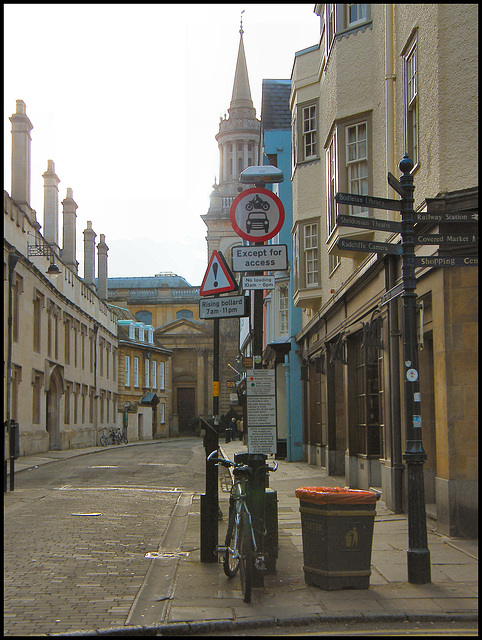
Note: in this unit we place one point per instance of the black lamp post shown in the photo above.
(418, 554)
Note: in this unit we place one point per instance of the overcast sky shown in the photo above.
(126, 100)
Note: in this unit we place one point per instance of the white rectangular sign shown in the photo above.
(260, 382)
(261, 411)
(227, 307)
(269, 257)
(258, 282)
(262, 440)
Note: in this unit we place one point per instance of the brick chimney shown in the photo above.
(102, 249)
(89, 255)
(51, 205)
(68, 252)
(21, 140)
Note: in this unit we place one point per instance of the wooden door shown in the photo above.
(186, 406)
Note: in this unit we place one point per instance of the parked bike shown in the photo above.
(241, 550)
(115, 436)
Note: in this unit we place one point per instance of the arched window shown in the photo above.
(184, 313)
(144, 316)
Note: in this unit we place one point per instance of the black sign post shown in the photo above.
(210, 500)
(418, 554)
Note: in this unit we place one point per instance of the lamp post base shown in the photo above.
(418, 565)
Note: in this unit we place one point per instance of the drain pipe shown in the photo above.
(389, 87)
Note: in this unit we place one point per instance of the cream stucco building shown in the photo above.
(62, 348)
(382, 81)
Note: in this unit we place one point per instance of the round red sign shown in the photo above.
(257, 214)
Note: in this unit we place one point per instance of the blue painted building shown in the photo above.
(282, 319)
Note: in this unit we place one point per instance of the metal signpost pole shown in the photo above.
(209, 501)
(256, 494)
(418, 554)
(270, 214)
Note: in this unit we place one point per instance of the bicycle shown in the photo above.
(240, 548)
(104, 440)
(117, 437)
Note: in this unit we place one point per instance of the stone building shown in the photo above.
(144, 378)
(170, 305)
(382, 81)
(62, 347)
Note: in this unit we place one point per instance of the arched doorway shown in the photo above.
(54, 392)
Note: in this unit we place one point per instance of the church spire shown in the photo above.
(241, 96)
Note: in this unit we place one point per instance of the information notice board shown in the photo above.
(261, 410)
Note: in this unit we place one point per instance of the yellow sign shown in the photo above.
(215, 388)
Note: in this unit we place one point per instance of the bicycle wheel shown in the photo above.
(230, 563)
(104, 440)
(124, 439)
(246, 563)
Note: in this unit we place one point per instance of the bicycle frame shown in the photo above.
(240, 505)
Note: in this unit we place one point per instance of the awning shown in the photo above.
(150, 398)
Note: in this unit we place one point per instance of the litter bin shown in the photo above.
(337, 530)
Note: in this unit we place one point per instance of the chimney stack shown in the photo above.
(68, 241)
(102, 249)
(51, 205)
(21, 127)
(89, 255)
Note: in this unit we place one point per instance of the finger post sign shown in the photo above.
(257, 214)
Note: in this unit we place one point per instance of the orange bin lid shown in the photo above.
(335, 495)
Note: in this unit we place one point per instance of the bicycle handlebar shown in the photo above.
(229, 463)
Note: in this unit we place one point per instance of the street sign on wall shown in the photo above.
(257, 214)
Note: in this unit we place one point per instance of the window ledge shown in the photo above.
(308, 298)
(362, 26)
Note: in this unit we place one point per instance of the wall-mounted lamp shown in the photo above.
(46, 251)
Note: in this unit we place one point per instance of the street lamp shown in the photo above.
(46, 251)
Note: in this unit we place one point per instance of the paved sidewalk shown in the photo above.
(198, 596)
(202, 591)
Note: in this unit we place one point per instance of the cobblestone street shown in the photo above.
(74, 556)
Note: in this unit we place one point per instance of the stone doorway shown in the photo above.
(54, 393)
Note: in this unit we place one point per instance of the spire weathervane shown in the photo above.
(241, 31)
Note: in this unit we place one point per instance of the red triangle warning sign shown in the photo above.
(218, 277)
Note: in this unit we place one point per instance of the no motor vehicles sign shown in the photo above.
(257, 214)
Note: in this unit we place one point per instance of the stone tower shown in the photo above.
(239, 143)
(239, 147)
